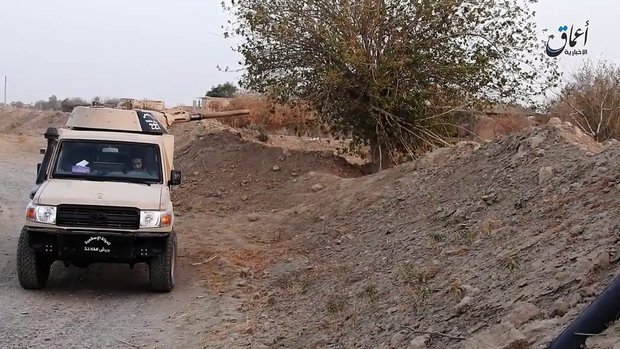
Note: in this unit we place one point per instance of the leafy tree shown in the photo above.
(40, 105)
(223, 90)
(112, 102)
(68, 104)
(389, 72)
(53, 103)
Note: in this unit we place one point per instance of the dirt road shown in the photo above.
(230, 215)
(104, 306)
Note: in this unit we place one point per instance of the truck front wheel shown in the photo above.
(32, 269)
(162, 268)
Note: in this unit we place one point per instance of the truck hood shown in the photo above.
(81, 192)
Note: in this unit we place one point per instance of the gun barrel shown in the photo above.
(210, 115)
(220, 114)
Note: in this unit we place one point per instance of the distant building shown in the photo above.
(207, 103)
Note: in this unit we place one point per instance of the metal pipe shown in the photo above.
(181, 117)
(52, 136)
(593, 320)
(220, 114)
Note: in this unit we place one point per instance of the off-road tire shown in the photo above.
(162, 268)
(32, 269)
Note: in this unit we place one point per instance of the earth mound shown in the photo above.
(30, 122)
(494, 245)
(228, 170)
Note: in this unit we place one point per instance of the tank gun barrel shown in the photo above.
(186, 117)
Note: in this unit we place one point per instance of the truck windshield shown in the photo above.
(104, 160)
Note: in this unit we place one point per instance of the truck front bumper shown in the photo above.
(95, 246)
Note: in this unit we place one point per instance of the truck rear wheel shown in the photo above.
(162, 268)
(32, 269)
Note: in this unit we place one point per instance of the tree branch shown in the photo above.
(447, 112)
(583, 115)
(598, 128)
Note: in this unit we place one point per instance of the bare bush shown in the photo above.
(297, 118)
(68, 104)
(52, 104)
(591, 100)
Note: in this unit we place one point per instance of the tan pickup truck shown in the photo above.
(102, 194)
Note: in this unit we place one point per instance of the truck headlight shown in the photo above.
(155, 219)
(41, 214)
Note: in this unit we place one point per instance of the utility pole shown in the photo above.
(5, 90)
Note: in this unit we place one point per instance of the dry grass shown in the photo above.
(270, 116)
(295, 282)
(466, 237)
(437, 237)
(370, 292)
(301, 120)
(417, 280)
(456, 290)
(490, 225)
(510, 263)
(413, 276)
(336, 302)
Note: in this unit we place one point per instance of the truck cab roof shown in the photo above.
(112, 124)
(117, 120)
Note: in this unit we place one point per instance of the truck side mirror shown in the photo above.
(175, 177)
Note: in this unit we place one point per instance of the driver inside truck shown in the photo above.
(139, 168)
(136, 164)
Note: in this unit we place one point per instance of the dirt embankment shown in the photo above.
(238, 192)
(29, 122)
(519, 231)
(450, 251)
(230, 171)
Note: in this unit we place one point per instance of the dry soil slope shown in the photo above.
(29, 121)
(512, 236)
(227, 170)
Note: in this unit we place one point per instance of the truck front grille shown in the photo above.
(98, 217)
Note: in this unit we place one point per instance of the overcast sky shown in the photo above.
(602, 42)
(169, 50)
